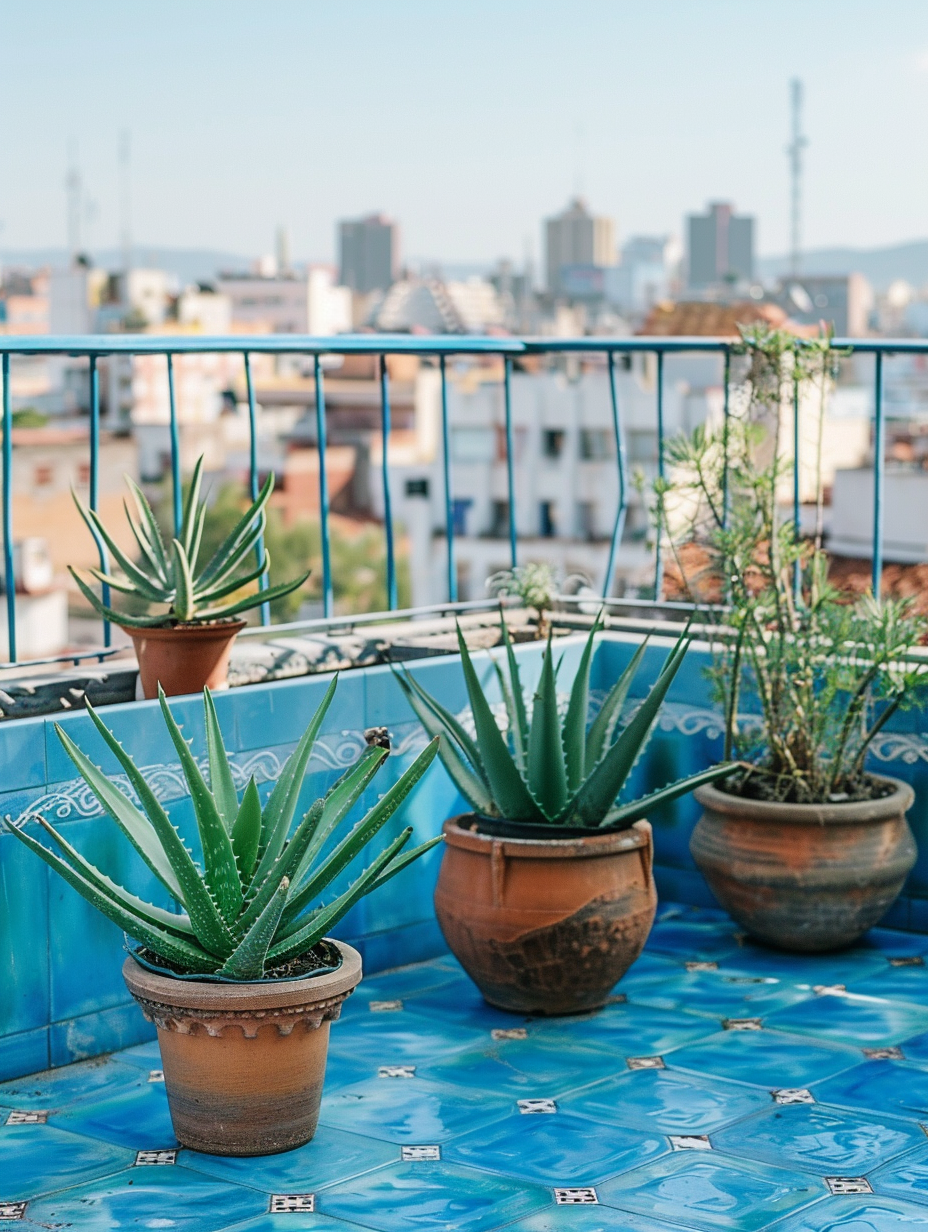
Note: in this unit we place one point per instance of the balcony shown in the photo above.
(725, 1086)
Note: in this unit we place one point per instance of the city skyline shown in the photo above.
(261, 117)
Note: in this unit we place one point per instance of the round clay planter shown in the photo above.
(807, 877)
(184, 658)
(545, 926)
(244, 1063)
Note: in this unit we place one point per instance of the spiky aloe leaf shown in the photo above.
(145, 586)
(174, 948)
(199, 523)
(363, 832)
(518, 728)
(246, 831)
(208, 923)
(191, 507)
(284, 867)
(221, 782)
(575, 719)
(281, 805)
(255, 600)
(338, 801)
(602, 726)
(246, 962)
(302, 937)
(510, 794)
(455, 728)
(623, 816)
(220, 872)
(547, 778)
(150, 525)
(233, 562)
(108, 613)
(183, 605)
(236, 583)
(597, 795)
(403, 861)
(219, 558)
(145, 546)
(175, 922)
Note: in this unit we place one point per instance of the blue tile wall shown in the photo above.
(59, 961)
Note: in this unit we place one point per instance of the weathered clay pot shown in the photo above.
(545, 926)
(805, 877)
(184, 658)
(244, 1063)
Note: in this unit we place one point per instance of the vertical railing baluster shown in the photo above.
(879, 450)
(446, 462)
(797, 506)
(619, 525)
(176, 490)
(95, 482)
(328, 604)
(263, 581)
(385, 475)
(9, 574)
(510, 460)
(658, 549)
(726, 430)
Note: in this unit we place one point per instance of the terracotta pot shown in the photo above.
(805, 877)
(244, 1063)
(184, 658)
(545, 926)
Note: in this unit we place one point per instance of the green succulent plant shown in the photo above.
(552, 769)
(251, 904)
(173, 574)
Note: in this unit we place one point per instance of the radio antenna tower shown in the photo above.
(794, 150)
(73, 190)
(125, 201)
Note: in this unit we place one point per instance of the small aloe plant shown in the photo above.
(252, 905)
(551, 769)
(194, 592)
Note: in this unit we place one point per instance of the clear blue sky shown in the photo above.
(469, 120)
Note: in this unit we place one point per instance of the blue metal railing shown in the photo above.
(380, 346)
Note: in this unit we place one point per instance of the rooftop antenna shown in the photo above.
(125, 200)
(73, 189)
(794, 150)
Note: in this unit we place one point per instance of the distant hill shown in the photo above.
(187, 264)
(880, 265)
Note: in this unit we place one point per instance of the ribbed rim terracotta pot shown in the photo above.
(244, 1063)
(184, 658)
(545, 926)
(807, 877)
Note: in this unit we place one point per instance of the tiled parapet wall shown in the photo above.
(63, 996)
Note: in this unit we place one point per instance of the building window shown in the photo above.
(499, 519)
(43, 476)
(518, 443)
(552, 442)
(417, 487)
(459, 511)
(595, 444)
(547, 519)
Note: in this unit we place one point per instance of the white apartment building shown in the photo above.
(308, 303)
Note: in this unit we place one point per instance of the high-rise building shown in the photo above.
(368, 253)
(577, 243)
(720, 247)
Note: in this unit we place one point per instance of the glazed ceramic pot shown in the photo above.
(184, 658)
(545, 925)
(805, 877)
(244, 1063)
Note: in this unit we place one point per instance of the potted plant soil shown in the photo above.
(545, 894)
(186, 648)
(804, 846)
(242, 980)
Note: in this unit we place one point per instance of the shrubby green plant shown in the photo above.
(552, 769)
(818, 675)
(195, 592)
(251, 904)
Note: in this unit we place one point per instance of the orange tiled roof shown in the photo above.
(700, 319)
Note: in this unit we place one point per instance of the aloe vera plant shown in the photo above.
(552, 769)
(251, 904)
(173, 574)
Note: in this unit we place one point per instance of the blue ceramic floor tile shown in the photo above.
(894, 984)
(820, 1140)
(804, 970)
(333, 1155)
(891, 1087)
(892, 943)
(765, 1058)
(532, 1067)
(688, 940)
(716, 995)
(431, 1195)
(904, 1178)
(915, 1050)
(293, 1221)
(867, 1022)
(667, 1102)
(40, 1159)
(150, 1197)
(399, 1038)
(593, 1219)
(460, 1003)
(406, 983)
(136, 1117)
(857, 1214)
(712, 1192)
(554, 1149)
(629, 1030)
(55, 1088)
(409, 1110)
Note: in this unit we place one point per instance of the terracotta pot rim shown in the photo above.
(262, 995)
(207, 631)
(846, 812)
(584, 846)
